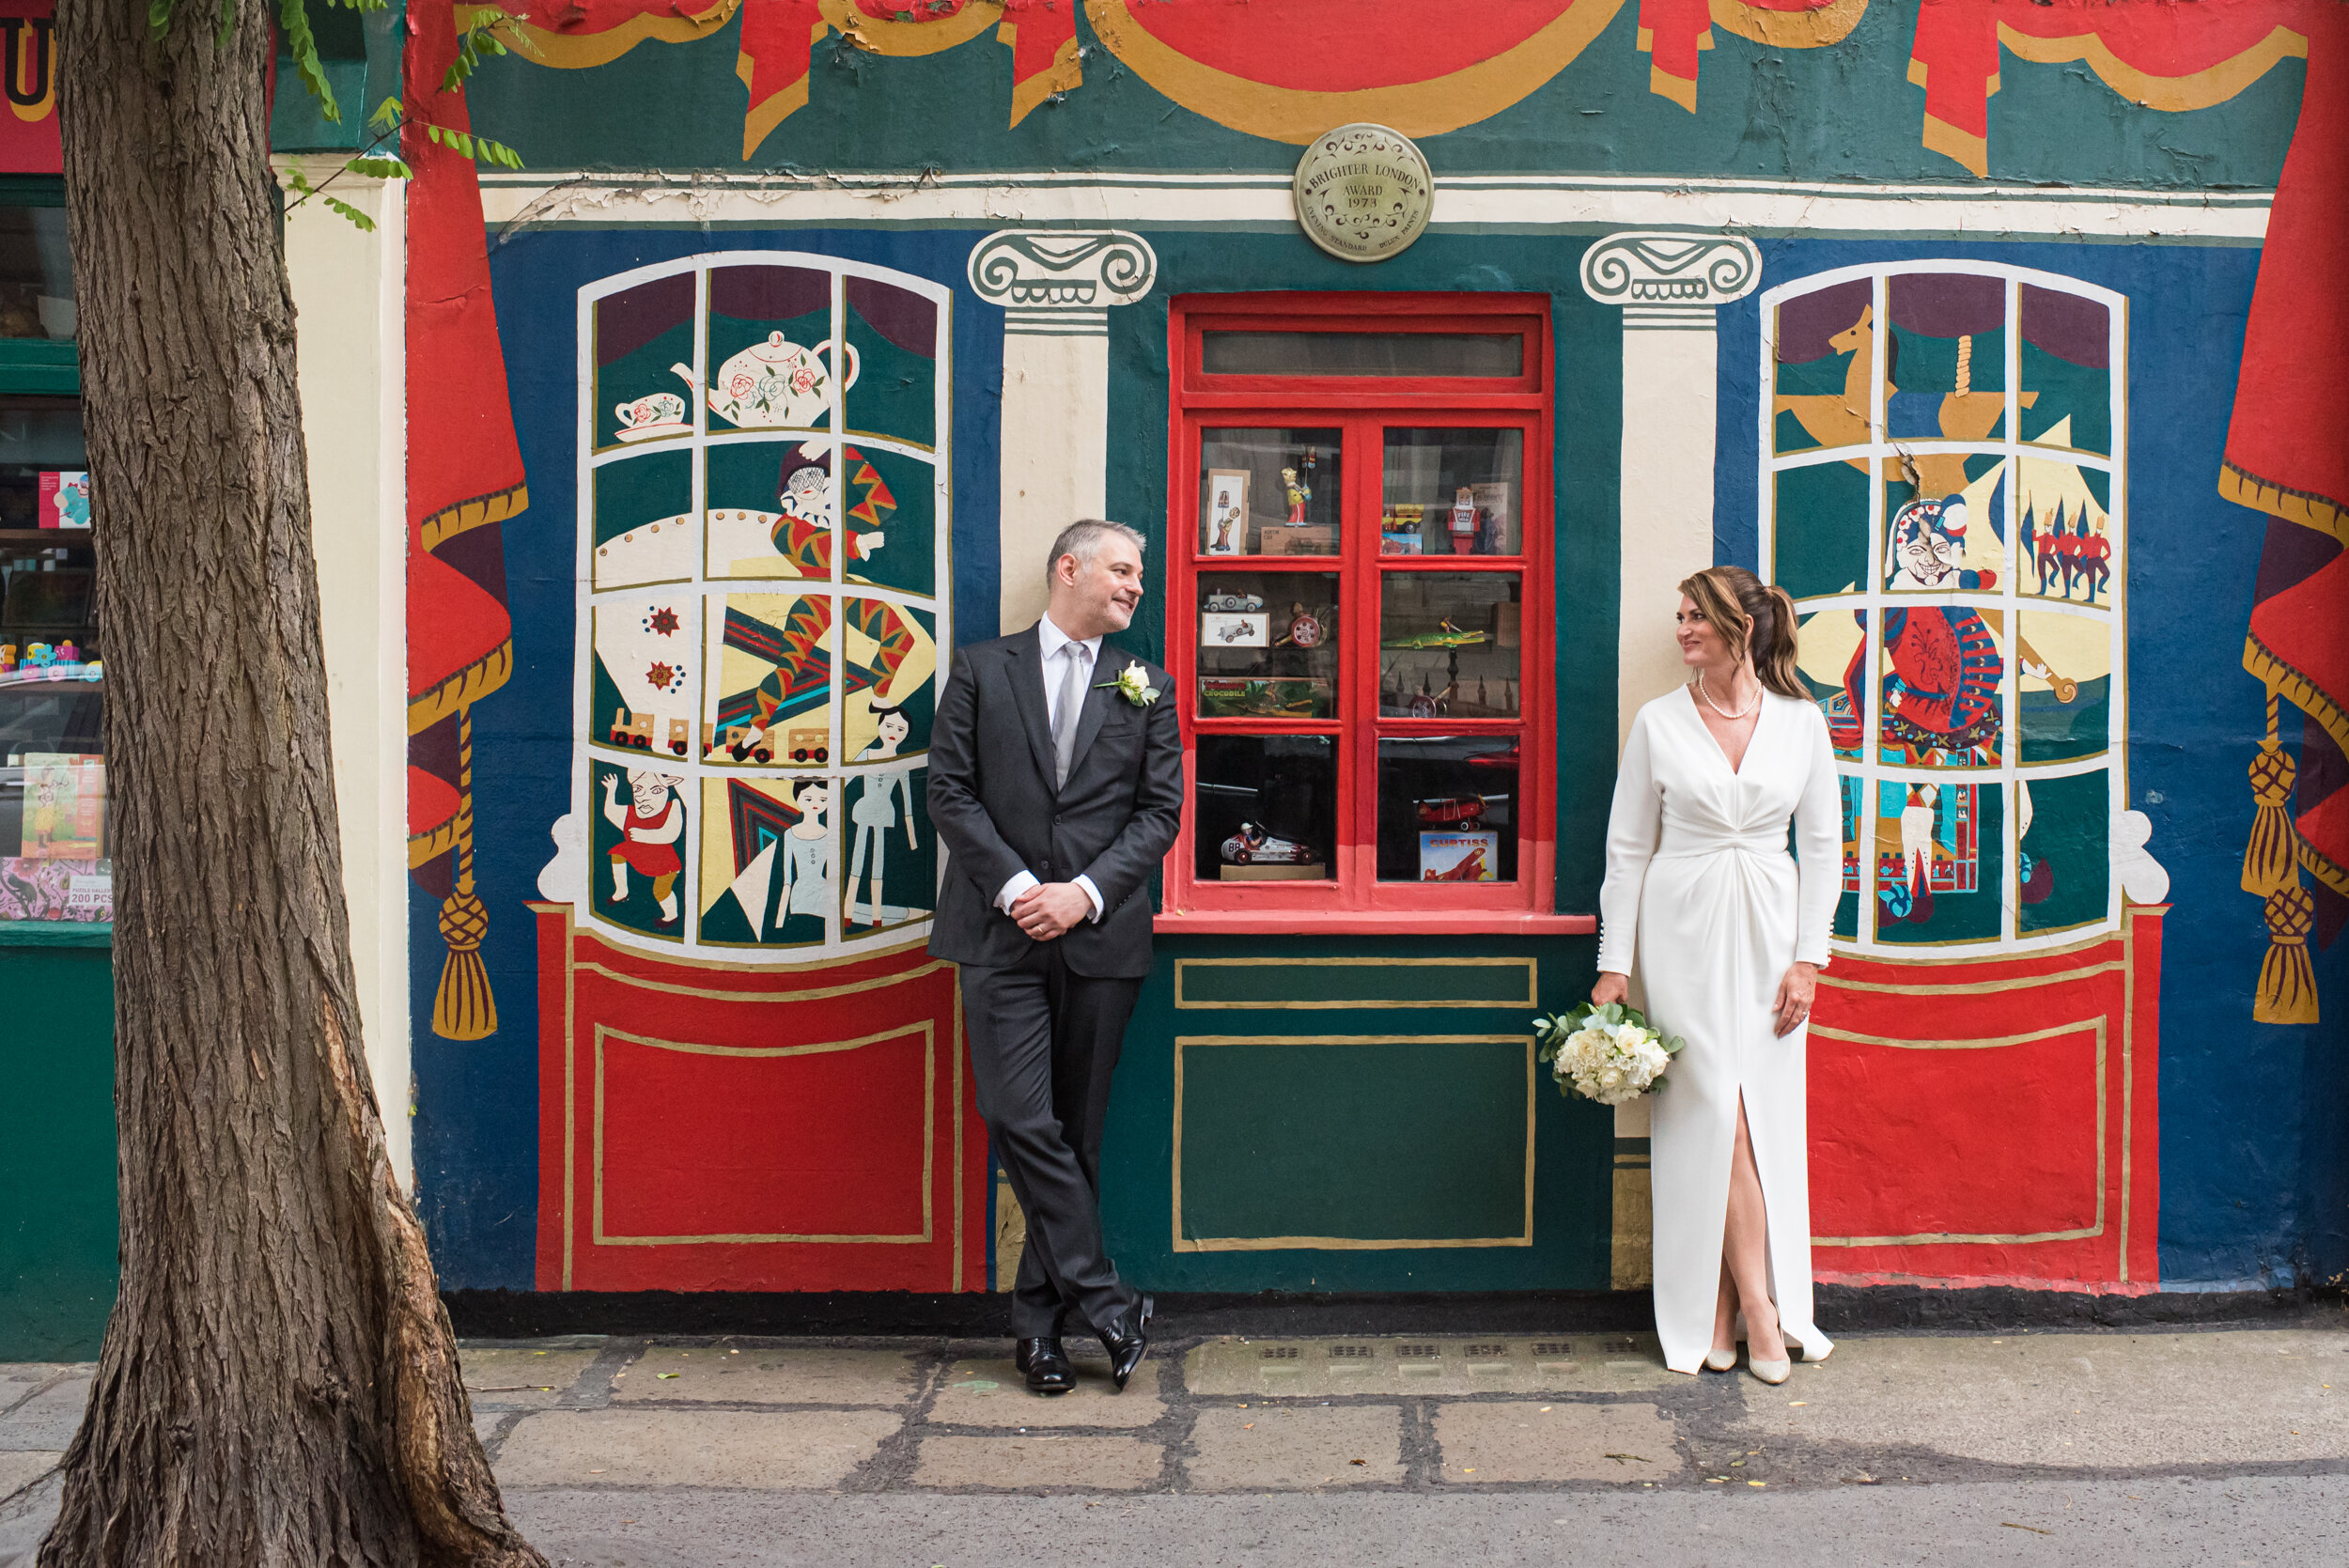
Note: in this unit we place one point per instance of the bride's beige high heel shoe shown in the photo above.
(1772, 1373)
(1721, 1361)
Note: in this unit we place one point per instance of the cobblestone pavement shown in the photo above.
(2207, 1445)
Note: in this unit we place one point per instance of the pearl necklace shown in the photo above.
(1723, 711)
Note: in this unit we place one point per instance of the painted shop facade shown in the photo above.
(1429, 354)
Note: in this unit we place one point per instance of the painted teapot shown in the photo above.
(773, 383)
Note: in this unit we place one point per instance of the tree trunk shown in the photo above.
(279, 1383)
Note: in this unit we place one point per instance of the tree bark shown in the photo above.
(279, 1383)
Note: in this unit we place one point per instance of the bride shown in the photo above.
(1730, 934)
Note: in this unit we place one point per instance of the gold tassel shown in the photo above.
(2287, 992)
(464, 1008)
(2271, 871)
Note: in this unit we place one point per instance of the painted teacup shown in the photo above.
(659, 408)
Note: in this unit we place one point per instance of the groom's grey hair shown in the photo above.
(1084, 538)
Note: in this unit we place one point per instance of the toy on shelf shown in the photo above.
(68, 653)
(39, 656)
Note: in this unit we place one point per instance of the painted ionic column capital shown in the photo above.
(1665, 280)
(1061, 282)
(1055, 286)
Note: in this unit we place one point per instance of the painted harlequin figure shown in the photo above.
(1928, 541)
(650, 824)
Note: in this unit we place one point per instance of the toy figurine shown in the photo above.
(1463, 520)
(1301, 492)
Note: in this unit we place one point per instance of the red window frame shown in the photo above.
(1362, 407)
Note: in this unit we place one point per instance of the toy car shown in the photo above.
(1254, 846)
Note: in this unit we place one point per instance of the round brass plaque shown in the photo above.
(1364, 191)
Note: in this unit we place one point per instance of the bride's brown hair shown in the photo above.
(1753, 619)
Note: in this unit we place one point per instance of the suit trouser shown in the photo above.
(1043, 1041)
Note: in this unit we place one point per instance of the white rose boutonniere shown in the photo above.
(1133, 684)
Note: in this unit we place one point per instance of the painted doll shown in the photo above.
(873, 814)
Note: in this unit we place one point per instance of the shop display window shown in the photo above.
(1360, 623)
(1943, 492)
(763, 441)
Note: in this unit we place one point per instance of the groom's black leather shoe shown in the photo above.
(1045, 1365)
(1127, 1342)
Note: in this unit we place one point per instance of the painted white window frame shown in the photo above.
(2008, 600)
(587, 750)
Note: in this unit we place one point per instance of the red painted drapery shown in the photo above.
(464, 479)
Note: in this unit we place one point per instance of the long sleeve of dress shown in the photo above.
(1818, 848)
(1632, 826)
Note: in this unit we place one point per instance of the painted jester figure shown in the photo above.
(1056, 786)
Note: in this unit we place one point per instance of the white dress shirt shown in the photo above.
(1056, 647)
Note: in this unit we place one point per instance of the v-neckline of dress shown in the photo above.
(1737, 769)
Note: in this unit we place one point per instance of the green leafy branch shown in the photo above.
(488, 31)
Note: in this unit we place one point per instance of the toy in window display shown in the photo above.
(8, 658)
(1305, 629)
(807, 852)
(1227, 511)
(1446, 635)
(650, 824)
(1299, 491)
(1234, 603)
(773, 383)
(873, 814)
(1253, 845)
(68, 653)
(39, 656)
(1463, 520)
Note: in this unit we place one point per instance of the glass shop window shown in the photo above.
(1357, 568)
(1944, 492)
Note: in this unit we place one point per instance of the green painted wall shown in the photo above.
(1296, 1134)
(58, 1234)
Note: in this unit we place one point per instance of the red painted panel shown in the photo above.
(1991, 1139)
(829, 1144)
(1995, 1146)
(828, 1102)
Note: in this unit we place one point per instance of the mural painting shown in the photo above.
(1955, 439)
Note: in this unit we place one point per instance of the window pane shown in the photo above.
(1453, 493)
(1447, 809)
(1267, 644)
(1448, 644)
(1265, 807)
(35, 273)
(1310, 353)
(1269, 493)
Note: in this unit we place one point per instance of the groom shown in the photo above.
(1056, 793)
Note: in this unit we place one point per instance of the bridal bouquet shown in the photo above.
(1609, 1054)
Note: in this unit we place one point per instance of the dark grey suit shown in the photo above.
(1046, 1020)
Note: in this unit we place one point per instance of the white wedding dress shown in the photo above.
(1702, 895)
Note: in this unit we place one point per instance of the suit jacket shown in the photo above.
(992, 801)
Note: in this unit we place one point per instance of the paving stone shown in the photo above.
(1276, 1448)
(2244, 1396)
(1039, 1459)
(18, 1379)
(49, 1419)
(772, 1450)
(502, 1378)
(19, 1469)
(1246, 1368)
(815, 1375)
(992, 1394)
(1520, 1441)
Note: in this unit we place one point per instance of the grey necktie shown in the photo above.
(1072, 702)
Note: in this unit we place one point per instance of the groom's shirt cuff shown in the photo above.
(1022, 881)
